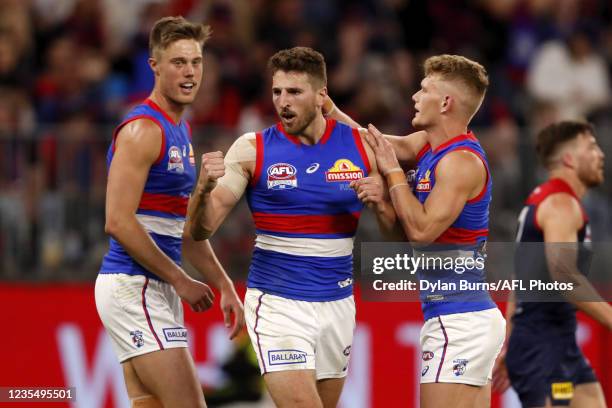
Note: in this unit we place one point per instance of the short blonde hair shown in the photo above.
(461, 69)
(168, 30)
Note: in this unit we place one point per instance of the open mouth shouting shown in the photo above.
(288, 117)
(187, 87)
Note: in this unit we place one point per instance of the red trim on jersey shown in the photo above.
(289, 137)
(146, 311)
(422, 152)
(454, 235)
(545, 190)
(330, 124)
(190, 131)
(162, 150)
(457, 139)
(156, 107)
(361, 148)
(164, 203)
(484, 163)
(306, 224)
(329, 128)
(259, 147)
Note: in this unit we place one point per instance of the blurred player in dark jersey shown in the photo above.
(543, 361)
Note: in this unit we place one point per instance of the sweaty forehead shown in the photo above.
(182, 48)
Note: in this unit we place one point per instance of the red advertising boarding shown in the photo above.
(52, 337)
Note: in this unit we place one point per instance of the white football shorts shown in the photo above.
(292, 334)
(461, 347)
(140, 315)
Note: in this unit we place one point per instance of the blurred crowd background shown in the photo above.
(69, 70)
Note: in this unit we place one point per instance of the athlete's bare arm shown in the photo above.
(406, 147)
(372, 191)
(221, 184)
(460, 176)
(137, 148)
(202, 257)
(560, 218)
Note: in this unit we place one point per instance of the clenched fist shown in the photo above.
(211, 169)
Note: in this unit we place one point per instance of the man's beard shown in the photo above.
(304, 123)
(591, 179)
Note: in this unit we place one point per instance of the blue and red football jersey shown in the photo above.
(467, 235)
(163, 206)
(305, 213)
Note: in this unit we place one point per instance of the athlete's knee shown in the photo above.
(145, 401)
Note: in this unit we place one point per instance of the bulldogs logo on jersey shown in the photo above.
(343, 170)
(137, 338)
(459, 366)
(175, 160)
(424, 184)
(282, 176)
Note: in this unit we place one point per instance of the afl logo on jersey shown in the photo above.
(343, 170)
(424, 184)
(282, 176)
(175, 160)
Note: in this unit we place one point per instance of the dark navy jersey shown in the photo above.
(530, 264)
(305, 213)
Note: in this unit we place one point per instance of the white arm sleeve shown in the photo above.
(240, 153)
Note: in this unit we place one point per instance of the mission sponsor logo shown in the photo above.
(343, 170)
(175, 160)
(280, 357)
(282, 176)
(424, 184)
